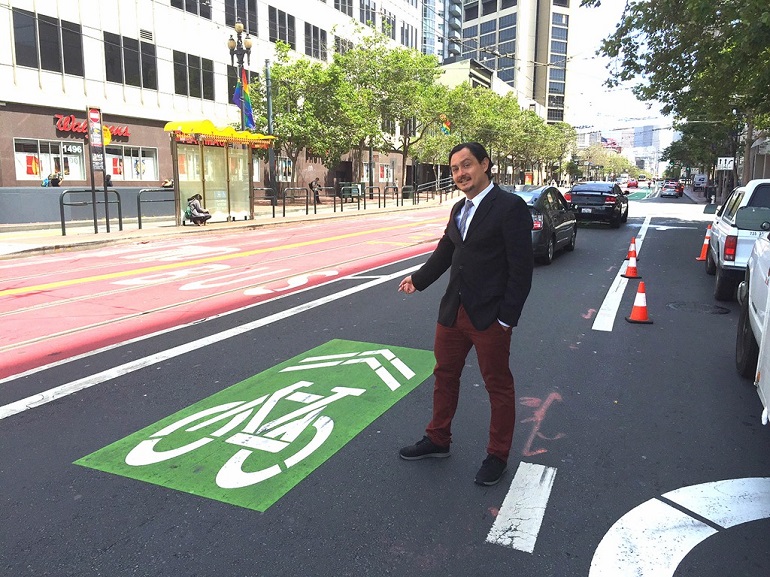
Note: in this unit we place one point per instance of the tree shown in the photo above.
(704, 59)
(363, 69)
(305, 100)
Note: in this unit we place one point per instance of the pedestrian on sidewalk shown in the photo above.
(198, 214)
(487, 247)
(315, 186)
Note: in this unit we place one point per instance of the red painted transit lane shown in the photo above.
(59, 306)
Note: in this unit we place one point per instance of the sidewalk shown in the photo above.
(44, 238)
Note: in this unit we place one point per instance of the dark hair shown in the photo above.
(476, 150)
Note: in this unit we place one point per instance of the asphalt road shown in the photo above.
(106, 481)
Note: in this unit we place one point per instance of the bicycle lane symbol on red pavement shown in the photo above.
(249, 444)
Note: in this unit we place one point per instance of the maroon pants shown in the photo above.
(493, 347)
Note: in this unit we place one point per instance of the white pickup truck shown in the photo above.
(752, 344)
(730, 244)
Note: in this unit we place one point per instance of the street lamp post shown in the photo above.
(240, 47)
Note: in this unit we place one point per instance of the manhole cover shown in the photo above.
(702, 308)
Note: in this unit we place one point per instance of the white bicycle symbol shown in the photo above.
(272, 437)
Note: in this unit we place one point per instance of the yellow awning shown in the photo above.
(206, 128)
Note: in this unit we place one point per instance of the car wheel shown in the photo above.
(571, 244)
(724, 285)
(711, 266)
(746, 348)
(625, 216)
(547, 258)
(615, 222)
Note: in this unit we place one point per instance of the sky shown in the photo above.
(590, 102)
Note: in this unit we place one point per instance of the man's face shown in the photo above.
(469, 174)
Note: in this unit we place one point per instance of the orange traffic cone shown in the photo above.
(632, 249)
(705, 246)
(631, 271)
(639, 312)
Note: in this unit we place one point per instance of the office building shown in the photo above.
(144, 63)
(525, 43)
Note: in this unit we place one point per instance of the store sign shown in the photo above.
(725, 163)
(95, 134)
(68, 123)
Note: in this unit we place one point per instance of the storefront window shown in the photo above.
(36, 159)
(285, 169)
(131, 163)
(257, 175)
(386, 173)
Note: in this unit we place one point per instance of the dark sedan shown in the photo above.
(603, 201)
(553, 221)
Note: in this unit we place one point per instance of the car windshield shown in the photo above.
(529, 197)
(592, 187)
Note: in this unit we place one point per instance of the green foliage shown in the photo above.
(604, 162)
(364, 94)
(708, 61)
(694, 53)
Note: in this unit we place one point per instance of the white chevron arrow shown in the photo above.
(365, 357)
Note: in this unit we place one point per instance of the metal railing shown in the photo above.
(289, 192)
(92, 201)
(327, 189)
(348, 192)
(140, 200)
(268, 196)
(370, 190)
(394, 191)
(440, 187)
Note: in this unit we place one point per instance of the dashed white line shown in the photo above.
(518, 523)
(605, 318)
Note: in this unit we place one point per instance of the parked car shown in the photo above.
(731, 245)
(602, 201)
(553, 221)
(670, 189)
(678, 186)
(632, 183)
(752, 290)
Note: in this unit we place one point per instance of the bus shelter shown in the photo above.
(217, 164)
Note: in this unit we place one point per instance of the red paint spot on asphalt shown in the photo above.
(589, 314)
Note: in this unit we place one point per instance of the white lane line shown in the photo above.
(518, 522)
(652, 539)
(605, 318)
(115, 372)
(727, 503)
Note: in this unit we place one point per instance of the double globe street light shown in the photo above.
(240, 47)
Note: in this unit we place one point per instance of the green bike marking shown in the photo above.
(249, 444)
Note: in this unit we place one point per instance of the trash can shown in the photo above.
(711, 193)
(407, 191)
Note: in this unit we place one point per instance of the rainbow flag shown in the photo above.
(241, 98)
(446, 126)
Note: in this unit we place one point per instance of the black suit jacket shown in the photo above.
(491, 270)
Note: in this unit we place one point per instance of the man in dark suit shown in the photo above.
(487, 247)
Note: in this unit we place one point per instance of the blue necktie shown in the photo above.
(464, 218)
